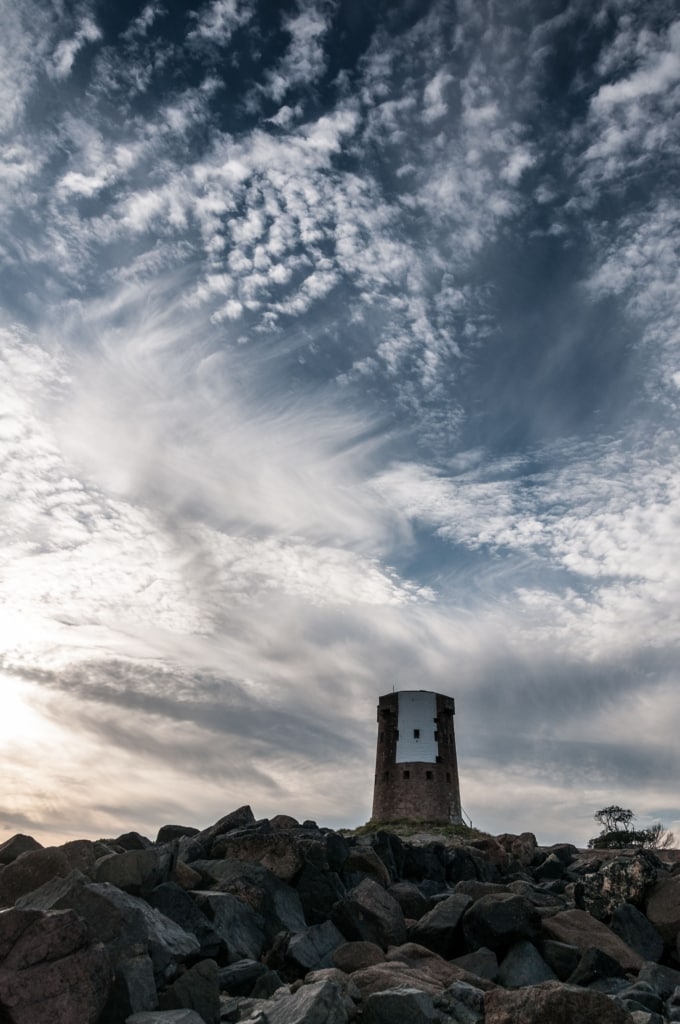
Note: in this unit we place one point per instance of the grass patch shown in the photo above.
(406, 827)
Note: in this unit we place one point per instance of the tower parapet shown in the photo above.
(416, 769)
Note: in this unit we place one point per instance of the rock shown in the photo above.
(551, 1002)
(314, 948)
(166, 1017)
(181, 908)
(635, 930)
(476, 889)
(185, 876)
(275, 901)
(282, 822)
(464, 864)
(595, 965)
(381, 977)
(196, 989)
(399, 1006)
(664, 980)
(463, 1002)
(482, 962)
(577, 928)
(34, 868)
(14, 847)
(441, 929)
(410, 899)
(319, 891)
(641, 996)
(133, 990)
(521, 848)
(561, 957)
(241, 928)
(497, 921)
(552, 867)
(364, 861)
(126, 924)
(524, 965)
(663, 908)
(168, 833)
(354, 956)
(136, 871)
(133, 841)
(198, 846)
(322, 1002)
(266, 985)
(368, 912)
(239, 978)
(625, 879)
(339, 978)
(278, 852)
(566, 852)
(429, 861)
(49, 969)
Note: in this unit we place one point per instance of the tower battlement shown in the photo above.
(416, 770)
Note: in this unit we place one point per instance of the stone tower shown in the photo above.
(416, 771)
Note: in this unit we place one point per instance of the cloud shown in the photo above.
(67, 50)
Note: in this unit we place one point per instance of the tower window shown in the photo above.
(428, 775)
(436, 736)
(439, 760)
(386, 776)
(448, 776)
(416, 734)
(407, 774)
(382, 737)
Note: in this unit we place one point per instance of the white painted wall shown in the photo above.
(417, 711)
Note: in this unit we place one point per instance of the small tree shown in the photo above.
(618, 832)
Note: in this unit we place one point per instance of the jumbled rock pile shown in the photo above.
(276, 922)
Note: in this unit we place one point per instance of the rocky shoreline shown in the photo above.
(277, 922)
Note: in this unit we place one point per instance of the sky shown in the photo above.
(339, 353)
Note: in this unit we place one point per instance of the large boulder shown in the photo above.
(321, 1002)
(279, 852)
(313, 949)
(319, 890)
(663, 908)
(368, 912)
(197, 988)
(133, 990)
(499, 920)
(136, 871)
(554, 1003)
(126, 924)
(172, 900)
(441, 929)
(197, 846)
(524, 965)
(636, 931)
(14, 847)
(577, 928)
(400, 1006)
(240, 928)
(626, 879)
(521, 848)
(354, 956)
(34, 868)
(50, 970)
(273, 899)
(463, 1002)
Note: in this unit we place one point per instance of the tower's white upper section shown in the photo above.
(417, 726)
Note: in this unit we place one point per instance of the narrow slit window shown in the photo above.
(416, 734)
(428, 775)
(448, 776)
(407, 774)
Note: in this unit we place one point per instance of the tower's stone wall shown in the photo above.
(426, 790)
